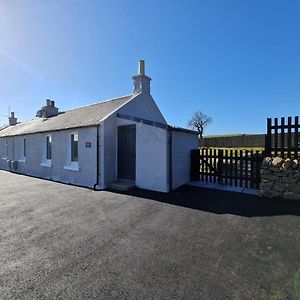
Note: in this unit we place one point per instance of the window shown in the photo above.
(47, 153)
(23, 150)
(74, 147)
(6, 148)
(49, 147)
(72, 152)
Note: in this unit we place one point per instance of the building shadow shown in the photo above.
(221, 202)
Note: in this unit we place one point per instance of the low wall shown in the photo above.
(280, 178)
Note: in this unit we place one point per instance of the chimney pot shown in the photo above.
(48, 102)
(12, 114)
(52, 103)
(141, 70)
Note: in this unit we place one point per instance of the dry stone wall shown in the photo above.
(280, 178)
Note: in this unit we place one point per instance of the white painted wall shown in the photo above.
(110, 149)
(35, 149)
(151, 156)
(182, 144)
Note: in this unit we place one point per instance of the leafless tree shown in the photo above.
(199, 122)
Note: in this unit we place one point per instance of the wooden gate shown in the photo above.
(283, 138)
(229, 167)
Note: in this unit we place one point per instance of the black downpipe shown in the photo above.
(97, 160)
(170, 160)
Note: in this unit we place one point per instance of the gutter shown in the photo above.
(97, 160)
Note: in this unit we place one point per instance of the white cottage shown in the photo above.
(117, 143)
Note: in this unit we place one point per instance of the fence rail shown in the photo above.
(229, 167)
(283, 138)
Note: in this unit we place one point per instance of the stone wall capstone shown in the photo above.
(280, 178)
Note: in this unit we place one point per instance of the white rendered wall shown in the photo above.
(109, 137)
(35, 149)
(151, 156)
(182, 143)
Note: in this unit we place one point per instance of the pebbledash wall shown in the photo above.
(34, 163)
(280, 178)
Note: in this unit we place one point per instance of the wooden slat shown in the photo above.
(210, 160)
(246, 169)
(289, 137)
(282, 137)
(226, 167)
(206, 166)
(235, 167)
(296, 137)
(276, 136)
(215, 166)
(195, 164)
(268, 137)
(257, 170)
(241, 168)
(220, 166)
(231, 167)
(252, 157)
(202, 165)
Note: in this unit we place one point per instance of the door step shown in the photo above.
(121, 185)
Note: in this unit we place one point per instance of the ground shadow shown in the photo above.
(221, 202)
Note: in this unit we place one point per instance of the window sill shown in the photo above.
(5, 158)
(23, 160)
(72, 167)
(46, 163)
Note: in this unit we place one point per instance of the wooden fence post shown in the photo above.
(220, 166)
(268, 138)
(195, 165)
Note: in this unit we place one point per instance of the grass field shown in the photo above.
(254, 149)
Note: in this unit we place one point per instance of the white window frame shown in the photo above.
(46, 162)
(23, 150)
(71, 165)
(5, 149)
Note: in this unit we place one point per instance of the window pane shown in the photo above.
(24, 147)
(6, 148)
(74, 147)
(49, 144)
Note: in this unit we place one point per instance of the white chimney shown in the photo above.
(141, 82)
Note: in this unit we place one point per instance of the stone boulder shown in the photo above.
(277, 162)
(287, 164)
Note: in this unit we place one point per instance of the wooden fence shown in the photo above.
(283, 138)
(229, 167)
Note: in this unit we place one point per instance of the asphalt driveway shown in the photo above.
(65, 242)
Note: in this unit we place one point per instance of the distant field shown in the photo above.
(260, 149)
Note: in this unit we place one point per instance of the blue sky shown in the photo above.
(238, 61)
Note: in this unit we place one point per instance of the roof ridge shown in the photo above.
(96, 103)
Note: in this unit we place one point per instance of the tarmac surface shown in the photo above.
(65, 242)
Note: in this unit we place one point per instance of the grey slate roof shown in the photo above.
(181, 129)
(85, 116)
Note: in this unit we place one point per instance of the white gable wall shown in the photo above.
(144, 107)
